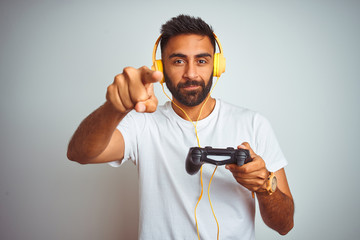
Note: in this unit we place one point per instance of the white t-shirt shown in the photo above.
(158, 144)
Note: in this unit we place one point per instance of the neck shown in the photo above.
(193, 112)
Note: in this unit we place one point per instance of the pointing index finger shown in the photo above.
(150, 76)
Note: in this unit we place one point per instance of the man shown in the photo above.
(130, 126)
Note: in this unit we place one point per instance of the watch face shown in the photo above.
(273, 184)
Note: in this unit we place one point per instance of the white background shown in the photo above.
(296, 62)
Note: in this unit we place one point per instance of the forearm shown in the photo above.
(93, 134)
(277, 211)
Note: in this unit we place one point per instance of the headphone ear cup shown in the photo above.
(158, 66)
(219, 64)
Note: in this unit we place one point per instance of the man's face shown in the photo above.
(188, 68)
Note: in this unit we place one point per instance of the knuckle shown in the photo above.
(245, 169)
(110, 88)
(262, 162)
(263, 165)
(110, 92)
(118, 79)
(144, 68)
(128, 71)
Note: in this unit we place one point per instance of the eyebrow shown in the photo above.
(184, 56)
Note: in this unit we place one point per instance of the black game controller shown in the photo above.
(198, 156)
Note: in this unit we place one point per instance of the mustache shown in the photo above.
(191, 83)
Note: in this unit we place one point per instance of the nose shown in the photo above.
(191, 71)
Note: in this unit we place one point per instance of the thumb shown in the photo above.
(151, 104)
(246, 145)
(148, 105)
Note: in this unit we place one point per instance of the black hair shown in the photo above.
(185, 24)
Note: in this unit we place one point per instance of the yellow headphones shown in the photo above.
(219, 60)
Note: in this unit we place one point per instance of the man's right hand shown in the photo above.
(133, 89)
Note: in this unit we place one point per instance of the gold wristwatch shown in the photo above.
(271, 183)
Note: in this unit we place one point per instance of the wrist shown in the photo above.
(112, 112)
(269, 186)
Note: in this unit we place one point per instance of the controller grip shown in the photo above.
(193, 163)
(242, 157)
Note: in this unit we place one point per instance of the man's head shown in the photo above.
(184, 24)
(187, 48)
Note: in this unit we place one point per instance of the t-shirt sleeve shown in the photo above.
(267, 145)
(130, 132)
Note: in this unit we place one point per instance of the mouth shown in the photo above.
(191, 85)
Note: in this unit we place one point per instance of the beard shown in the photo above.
(189, 98)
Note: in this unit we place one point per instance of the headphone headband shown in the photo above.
(155, 48)
(218, 43)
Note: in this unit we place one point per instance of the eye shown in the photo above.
(202, 61)
(179, 61)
